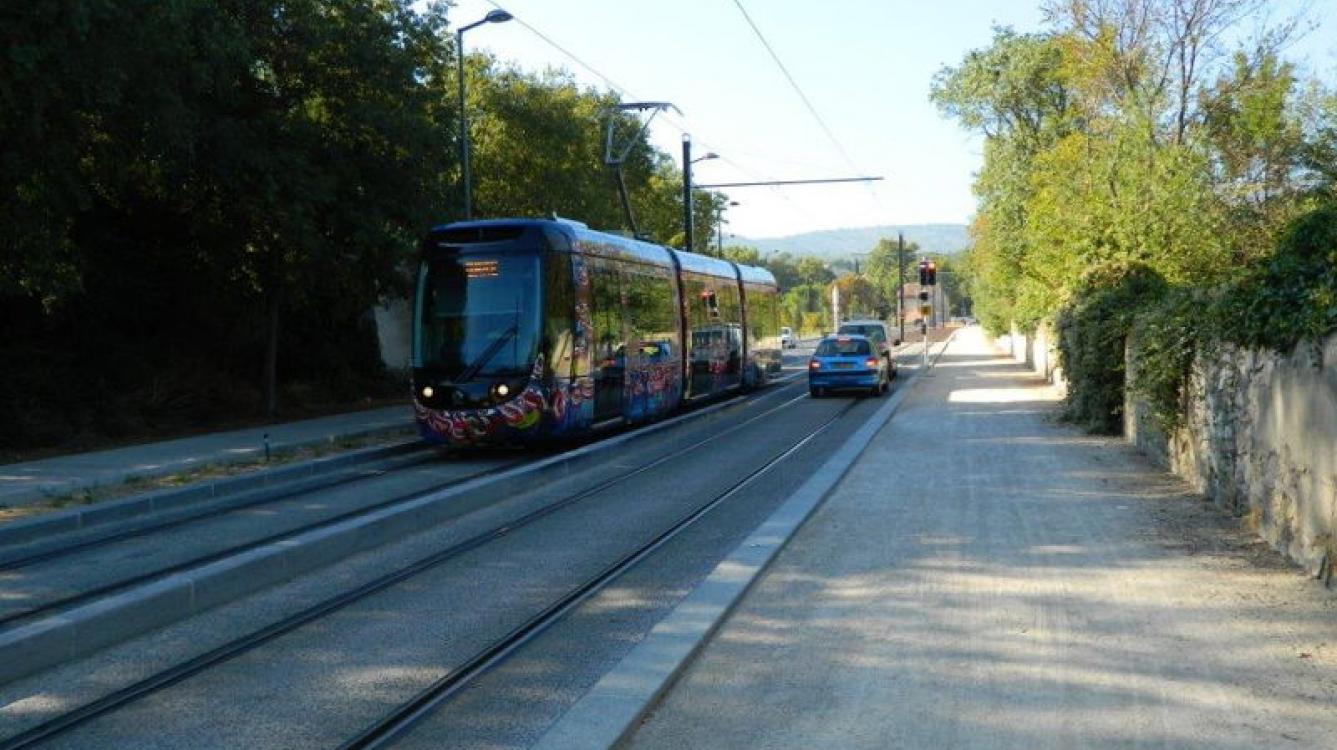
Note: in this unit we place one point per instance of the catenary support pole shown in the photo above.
(687, 192)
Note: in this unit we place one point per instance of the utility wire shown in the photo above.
(794, 84)
(611, 83)
(666, 117)
(804, 97)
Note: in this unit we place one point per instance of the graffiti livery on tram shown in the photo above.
(537, 330)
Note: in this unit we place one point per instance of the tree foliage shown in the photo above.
(1128, 136)
(200, 202)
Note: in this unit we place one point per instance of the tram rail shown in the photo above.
(250, 641)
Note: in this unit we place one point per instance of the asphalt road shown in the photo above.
(321, 684)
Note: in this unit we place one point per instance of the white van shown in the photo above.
(787, 340)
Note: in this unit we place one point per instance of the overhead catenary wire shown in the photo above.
(807, 103)
(666, 117)
(569, 54)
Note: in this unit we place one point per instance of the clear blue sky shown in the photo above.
(866, 66)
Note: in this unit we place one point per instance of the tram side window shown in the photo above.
(559, 304)
(731, 314)
(649, 294)
(731, 306)
(606, 311)
(701, 303)
(762, 311)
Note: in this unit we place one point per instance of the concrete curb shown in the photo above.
(611, 710)
(82, 630)
(114, 516)
(51, 489)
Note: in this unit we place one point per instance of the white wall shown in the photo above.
(1038, 351)
(392, 328)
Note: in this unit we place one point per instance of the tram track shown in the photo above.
(256, 638)
(167, 521)
(55, 605)
(384, 732)
(21, 615)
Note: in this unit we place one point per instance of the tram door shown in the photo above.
(609, 347)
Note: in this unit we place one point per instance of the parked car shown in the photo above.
(787, 338)
(876, 332)
(847, 362)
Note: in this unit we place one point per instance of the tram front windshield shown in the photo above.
(477, 315)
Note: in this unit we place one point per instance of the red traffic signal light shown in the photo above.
(928, 273)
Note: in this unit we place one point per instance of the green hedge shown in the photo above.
(1289, 297)
(1092, 330)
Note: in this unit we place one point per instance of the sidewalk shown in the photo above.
(984, 577)
(32, 481)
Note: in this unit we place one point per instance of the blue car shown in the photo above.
(847, 362)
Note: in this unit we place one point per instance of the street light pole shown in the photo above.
(687, 192)
(495, 16)
(688, 219)
(719, 227)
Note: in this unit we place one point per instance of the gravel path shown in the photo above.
(987, 578)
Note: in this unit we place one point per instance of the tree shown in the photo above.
(859, 297)
(785, 270)
(883, 267)
(742, 254)
(179, 178)
(812, 270)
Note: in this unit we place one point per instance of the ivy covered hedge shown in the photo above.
(1091, 331)
(1275, 303)
(1285, 299)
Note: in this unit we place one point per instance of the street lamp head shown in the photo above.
(497, 16)
(709, 155)
(734, 203)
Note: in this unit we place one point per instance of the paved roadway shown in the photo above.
(319, 685)
(987, 578)
(34, 481)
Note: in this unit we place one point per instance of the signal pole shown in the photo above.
(900, 281)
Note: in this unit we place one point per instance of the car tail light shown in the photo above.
(870, 363)
(814, 365)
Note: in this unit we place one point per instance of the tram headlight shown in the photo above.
(501, 389)
(428, 391)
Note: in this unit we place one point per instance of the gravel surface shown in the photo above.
(987, 578)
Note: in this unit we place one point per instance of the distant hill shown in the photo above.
(839, 243)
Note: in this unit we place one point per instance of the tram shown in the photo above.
(529, 330)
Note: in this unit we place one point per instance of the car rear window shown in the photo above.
(838, 348)
(872, 332)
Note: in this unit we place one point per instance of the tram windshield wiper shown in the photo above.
(487, 354)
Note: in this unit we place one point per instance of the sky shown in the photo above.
(866, 67)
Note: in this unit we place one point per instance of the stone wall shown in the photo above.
(1260, 438)
(1038, 351)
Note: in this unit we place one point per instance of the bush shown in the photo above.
(1293, 296)
(1092, 330)
(1289, 297)
(1166, 338)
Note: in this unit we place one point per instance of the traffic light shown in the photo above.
(928, 273)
